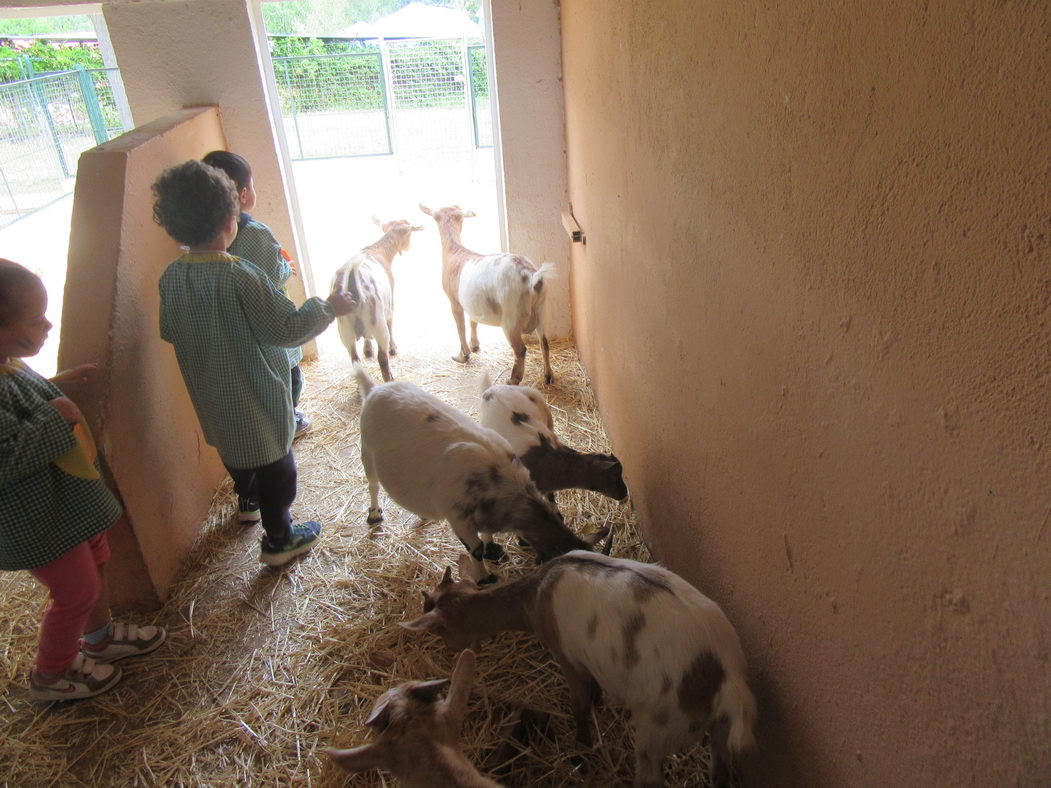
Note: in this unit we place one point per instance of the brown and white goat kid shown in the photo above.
(440, 464)
(505, 290)
(418, 735)
(520, 414)
(640, 632)
(368, 277)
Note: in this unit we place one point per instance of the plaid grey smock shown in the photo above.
(44, 511)
(230, 327)
(256, 242)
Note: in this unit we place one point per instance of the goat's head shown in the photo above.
(450, 217)
(609, 477)
(412, 709)
(444, 608)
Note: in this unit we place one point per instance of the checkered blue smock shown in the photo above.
(256, 242)
(44, 511)
(230, 328)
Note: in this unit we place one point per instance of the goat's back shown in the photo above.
(519, 414)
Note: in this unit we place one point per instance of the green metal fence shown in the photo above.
(45, 124)
(410, 97)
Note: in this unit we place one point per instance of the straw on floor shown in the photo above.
(264, 668)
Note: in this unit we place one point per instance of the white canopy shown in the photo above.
(417, 20)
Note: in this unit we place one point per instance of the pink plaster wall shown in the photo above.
(815, 305)
(142, 416)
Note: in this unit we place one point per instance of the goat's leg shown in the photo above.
(583, 691)
(375, 514)
(458, 317)
(382, 350)
(393, 349)
(491, 551)
(549, 376)
(519, 348)
(347, 336)
(474, 337)
(722, 767)
(468, 537)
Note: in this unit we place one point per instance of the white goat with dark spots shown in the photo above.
(641, 633)
(440, 464)
(418, 735)
(521, 415)
(369, 278)
(505, 290)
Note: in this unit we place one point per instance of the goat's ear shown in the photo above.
(447, 578)
(460, 688)
(470, 572)
(468, 214)
(359, 759)
(417, 227)
(379, 717)
(426, 210)
(428, 622)
(428, 690)
(593, 539)
(376, 221)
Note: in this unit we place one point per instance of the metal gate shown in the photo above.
(417, 98)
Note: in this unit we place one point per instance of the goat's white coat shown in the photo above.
(497, 411)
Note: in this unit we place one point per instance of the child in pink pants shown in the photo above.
(55, 508)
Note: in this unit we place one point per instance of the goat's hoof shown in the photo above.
(549, 378)
(488, 580)
(375, 516)
(494, 552)
(393, 350)
(476, 347)
(461, 359)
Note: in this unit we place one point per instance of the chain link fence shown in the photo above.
(419, 98)
(45, 124)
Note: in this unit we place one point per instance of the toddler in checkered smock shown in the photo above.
(231, 328)
(55, 509)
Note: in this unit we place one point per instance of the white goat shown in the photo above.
(437, 462)
(418, 736)
(520, 414)
(640, 632)
(505, 290)
(368, 277)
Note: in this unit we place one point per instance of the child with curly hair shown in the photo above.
(231, 328)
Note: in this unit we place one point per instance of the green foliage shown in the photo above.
(44, 25)
(46, 58)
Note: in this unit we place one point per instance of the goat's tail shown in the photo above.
(545, 273)
(736, 702)
(365, 383)
(346, 278)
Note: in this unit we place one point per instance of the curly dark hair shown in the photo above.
(194, 202)
(233, 164)
(13, 279)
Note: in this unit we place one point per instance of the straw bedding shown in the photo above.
(263, 667)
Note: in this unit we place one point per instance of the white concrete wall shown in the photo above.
(178, 53)
(528, 55)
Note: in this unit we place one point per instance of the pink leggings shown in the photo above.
(74, 582)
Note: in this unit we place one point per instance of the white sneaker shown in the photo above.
(85, 678)
(125, 640)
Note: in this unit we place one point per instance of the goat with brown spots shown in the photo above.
(440, 464)
(418, 736)
(521, 415)
(505, 290)
(368, 277)
(639, 632)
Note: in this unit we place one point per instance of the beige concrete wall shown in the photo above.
(815, 305)
(526, 52)
(175, 54)
(142, 417)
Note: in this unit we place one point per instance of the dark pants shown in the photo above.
(297, 385)
(275, 487)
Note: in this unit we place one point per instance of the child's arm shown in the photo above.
(29, 443)
(275, 320)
